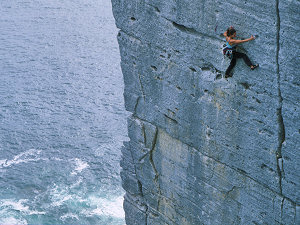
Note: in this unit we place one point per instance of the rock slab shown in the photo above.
(204, 149)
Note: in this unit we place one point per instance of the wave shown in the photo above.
(24, 157)
(98, 203)
(12, 220)
(59, 195)
(19, 206)
(68, 216)
(106, 207)
(80, 166)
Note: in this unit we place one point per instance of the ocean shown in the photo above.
(62, 115)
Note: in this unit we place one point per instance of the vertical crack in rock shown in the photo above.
(151, 155)
(142, 88)
(140, 186)
(144, 204)
(136, 105)
(144, 134)
(281, 209)
(146, 213)
(154, 167)
(281, 129)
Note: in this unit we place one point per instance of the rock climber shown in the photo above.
(230, 50)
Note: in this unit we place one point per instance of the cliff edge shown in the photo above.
(204, 149)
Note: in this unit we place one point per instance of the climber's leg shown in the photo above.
(230, 67)
(244, 57)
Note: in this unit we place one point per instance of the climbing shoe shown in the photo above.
(254, 66)
(228, 75)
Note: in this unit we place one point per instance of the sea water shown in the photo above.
(62, 116)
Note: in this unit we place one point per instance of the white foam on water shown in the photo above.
(24, 157)
(98, 205)
(69, 215)
(12, 221)
(57, 159)
(15, 205)
(108, 207)
(61, 201)
(19, 206)
(59, 195)
(80, 166)
(77, 183)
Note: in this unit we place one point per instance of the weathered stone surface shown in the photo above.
(135, 210)
(289, 75)
(203, 149)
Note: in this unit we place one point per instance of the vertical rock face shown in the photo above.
(203, 149)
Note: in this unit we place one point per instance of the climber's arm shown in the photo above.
(233, 41)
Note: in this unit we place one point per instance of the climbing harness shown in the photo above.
(228, 49)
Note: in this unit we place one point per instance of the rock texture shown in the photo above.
(203, 149)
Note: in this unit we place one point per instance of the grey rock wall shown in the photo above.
(204, 149)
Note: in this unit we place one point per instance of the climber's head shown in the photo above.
(231, 32)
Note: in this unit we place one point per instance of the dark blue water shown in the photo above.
(62, 116)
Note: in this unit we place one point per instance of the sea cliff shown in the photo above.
(204, 149)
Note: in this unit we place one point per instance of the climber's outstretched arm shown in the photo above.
(235, 42)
